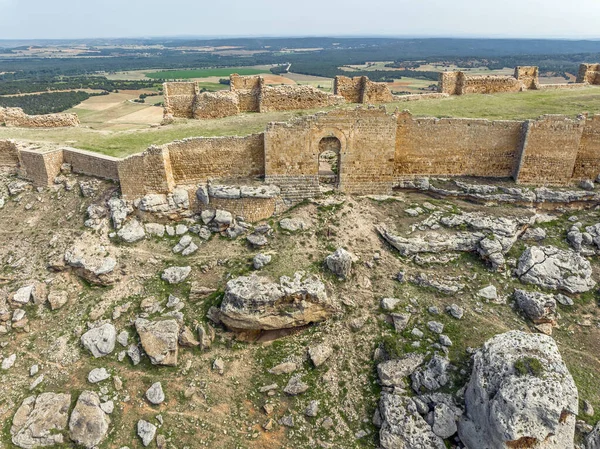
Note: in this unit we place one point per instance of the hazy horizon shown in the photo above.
(137, 19)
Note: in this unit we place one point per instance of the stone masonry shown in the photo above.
(15, 117)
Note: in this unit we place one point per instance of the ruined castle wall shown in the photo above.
(448, 83)
(16, 118)
(362, 90)
(40, 167)
(147, 172)
(367, 138)
(589, 73)
(489, 84)
(248, 100)
(587, 164)
(286, 98)
(374, 93)
(549, 151)
(196, 159)
(349, 88)
(252, 209)
(528, 76)
(210, 105)
(239, 82)
(179, 98)
(92, 164)
(9, 155)
(456, 147)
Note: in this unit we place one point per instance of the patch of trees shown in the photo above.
(25, 82)
(46, 103)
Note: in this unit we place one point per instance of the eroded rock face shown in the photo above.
(520, 392)
(556, 269)
(256, 303)
(39, 420)
(402, 427)
(92, 262)
(159, 340)
(89, 423)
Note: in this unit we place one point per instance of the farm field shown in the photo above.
(205, 73)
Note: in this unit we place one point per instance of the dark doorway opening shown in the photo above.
(329, 161)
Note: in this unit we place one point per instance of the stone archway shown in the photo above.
(329, 161)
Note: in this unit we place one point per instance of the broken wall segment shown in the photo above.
(461, 83)
(360, 89)
(16, 118)
(589, 73)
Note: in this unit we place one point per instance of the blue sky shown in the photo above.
(22, 19)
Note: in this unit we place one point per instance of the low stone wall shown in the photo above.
(16, 118)
(460, 83)
(91, 164)
(251, 209)
(587, 164)
(287, 98)
(9, 155)
(560, 86)
(419, 97)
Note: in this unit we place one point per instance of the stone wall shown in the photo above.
(455, 147)
(147, 172)
(286, 98)
(179, 99)
(16, 118)
(91, 164)
(589, 73)
(9, 155)
(587, 164)
(40, 166)
(216, 105)
(367, 141)
(549, 150)
(460, 83)
(361, 89)
(196, 159)
(251, 209)
(528, 76)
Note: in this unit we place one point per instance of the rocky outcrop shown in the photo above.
(89, 423)
(520, 394)
(90, 261)
(159, 340)
(402, 427)
(256, 303)
(556, 269)
(490, 237)
(40, 420)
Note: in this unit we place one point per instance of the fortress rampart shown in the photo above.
(376, 151)
(246, 94)
(15, 117)
(589, 73)
(361, 89)
(461, 83)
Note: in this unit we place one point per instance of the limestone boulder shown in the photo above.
(392, 372)
(340, 263)
(92, 261)
(159, 340)
(257, 303)
(520, 394)
(539, 307)
(89, 423)
(556, 269)
(402, 427)
(40, 420)
(100, 341)
(132, 231)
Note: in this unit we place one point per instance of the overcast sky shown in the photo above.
(22, 19)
